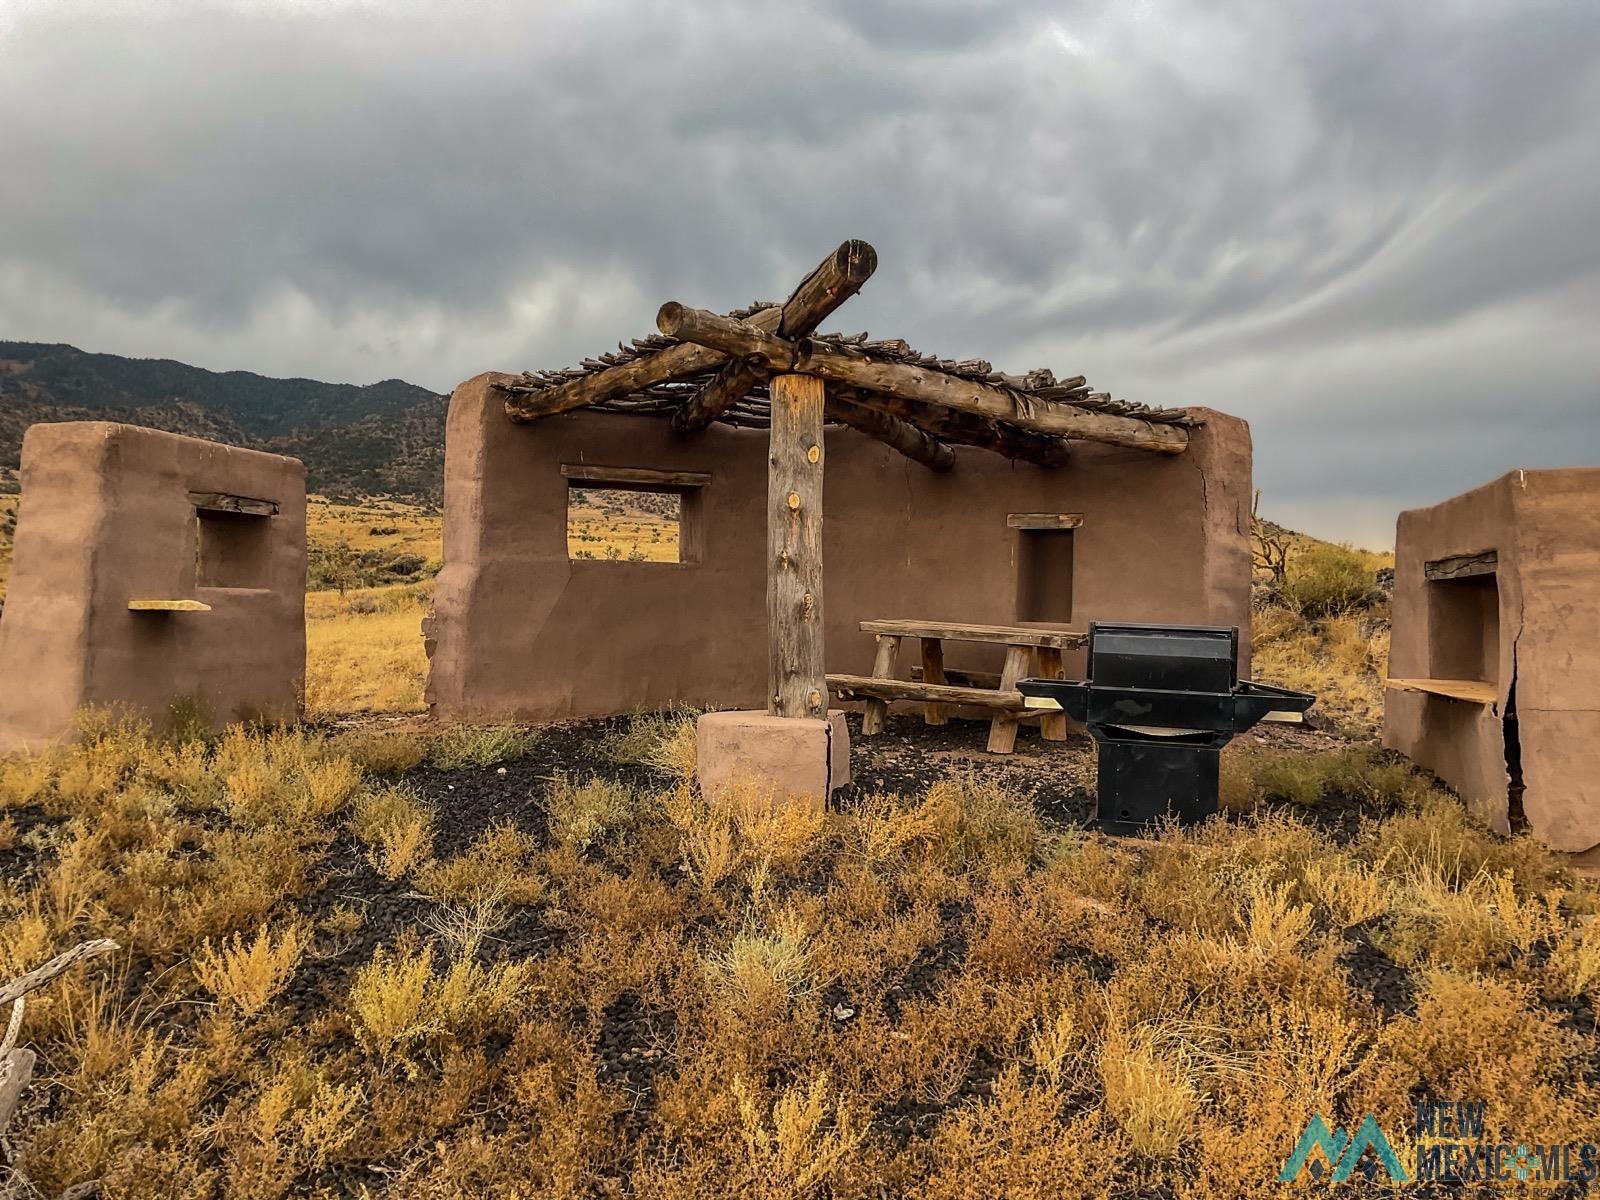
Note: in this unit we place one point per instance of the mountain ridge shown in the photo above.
(383, 438)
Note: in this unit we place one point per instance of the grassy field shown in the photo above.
(350, 970)
(389, 526)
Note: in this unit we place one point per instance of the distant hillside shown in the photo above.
(384, 438)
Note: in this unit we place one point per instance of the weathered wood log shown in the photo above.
(808, 356)
(1006, 635)
(797, 685)
(16, 1069)
(960, 677)
(223, 502)
(39, 976)
(1048, 665)
(947, 425)
(1044, 520)
(673, 364)
(893, 432)
(647, 477)
(1009, 700)
(16, 1065)
(831, 282)
(1461, 566)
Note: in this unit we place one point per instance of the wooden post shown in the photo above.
(1003, 729)
(883, 667)
(1052, 725)
(933, 672)
(797, 686)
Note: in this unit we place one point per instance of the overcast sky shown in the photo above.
(1373, 229)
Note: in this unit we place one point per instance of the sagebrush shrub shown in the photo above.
(1324, 579)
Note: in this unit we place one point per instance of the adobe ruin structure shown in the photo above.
(150, 568)
(953, 492)
(1495, 651)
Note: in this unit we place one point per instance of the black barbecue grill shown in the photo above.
(1161, 701)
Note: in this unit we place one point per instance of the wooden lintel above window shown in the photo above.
(643, 477)
(1044, 520)
(1461, 566)
(225, 503)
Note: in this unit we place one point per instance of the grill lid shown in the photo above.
(1176, 658)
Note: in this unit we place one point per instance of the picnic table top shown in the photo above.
(1009, 635)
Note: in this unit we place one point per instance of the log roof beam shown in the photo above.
(946, 425)
(914, 443)
(759, 347)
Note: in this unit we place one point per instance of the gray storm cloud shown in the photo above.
(1367, 227)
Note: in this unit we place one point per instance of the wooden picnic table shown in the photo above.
(1039, 649)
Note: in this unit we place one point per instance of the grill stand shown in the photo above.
(1143, 781)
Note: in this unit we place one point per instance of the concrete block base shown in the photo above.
(797, 760)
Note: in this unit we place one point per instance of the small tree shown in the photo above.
(1269, 548)
(335, 566)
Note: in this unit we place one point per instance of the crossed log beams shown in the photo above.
(748, 341)
(831, 282)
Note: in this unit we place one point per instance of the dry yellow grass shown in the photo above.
(364, 650)
(391, 525)
(1343, 659)
(607, 523)
(932, 995)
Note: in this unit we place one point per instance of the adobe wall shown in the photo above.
(1544, 527)
(106, 517)
(519, 631)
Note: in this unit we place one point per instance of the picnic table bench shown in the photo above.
(1039, 648)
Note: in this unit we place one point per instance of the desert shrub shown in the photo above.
(1150, 1086)
(500, 863)
(915, 996)
(1440, 836)
(381, 752)
(1383, 780)
(976, 822)
(1574, 963)
(588, 815)
(187, 720)
(1473, 1035)
(1322, 579)
(248, 976)
(397, 826)
(25, 779)
(741, 831)
(1341, 659)
(762, 970)
(400, 1000)
(663, 741)
(480, 746)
